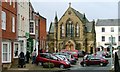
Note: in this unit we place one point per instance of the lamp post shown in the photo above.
(111, 42)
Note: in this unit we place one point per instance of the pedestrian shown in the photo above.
(21, 59)
(27, 56)
(56, 51)
(33, 56)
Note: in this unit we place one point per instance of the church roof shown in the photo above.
(51, 29)
(107, 22)
(79, 15)
(82, 17)
(89, 26)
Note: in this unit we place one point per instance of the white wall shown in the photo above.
(23, 13)
(23, 22)
(107, 34)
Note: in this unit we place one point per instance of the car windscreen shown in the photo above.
(59, 57)
(53, 57)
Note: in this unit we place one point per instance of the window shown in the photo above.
(112, 29)
(113, 39)
(10, 2)
(13, 3)
(103, 38)
(13, 24)
(77, 30)
(3, 20)
(62, 29)
(5, 0)
(119, 29)
(32, 27)
(103, 29)
(6, 52)
(69, 29)
(16, 51)
(118, 38)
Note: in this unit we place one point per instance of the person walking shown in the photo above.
(27, 56)
(21, 59)
(33, 56)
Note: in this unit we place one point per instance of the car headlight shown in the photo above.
(67, 62)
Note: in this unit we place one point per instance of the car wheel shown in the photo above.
(62, 66)
(84, 64)
(101, 64)
(40, 63)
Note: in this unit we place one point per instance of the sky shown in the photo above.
(93, 9)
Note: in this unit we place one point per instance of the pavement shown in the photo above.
(31, 66)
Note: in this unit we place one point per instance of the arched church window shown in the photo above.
(69, 28)
(77, 29)
(62, 30)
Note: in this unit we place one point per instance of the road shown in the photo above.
(91, 67)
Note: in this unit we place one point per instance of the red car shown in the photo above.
(47, 57)
(91, 60)
(74, 53)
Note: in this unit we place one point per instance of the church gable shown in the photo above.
(73, 14)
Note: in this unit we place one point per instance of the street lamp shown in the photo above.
(111, 42)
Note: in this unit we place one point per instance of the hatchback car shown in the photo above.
(70, 57)
(93, 60)
(81, 53)
(47, 57)
(106, 54)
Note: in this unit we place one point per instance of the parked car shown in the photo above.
(93, 60)
(47, 57)
(62, 57)
(74, 53)
(106, 54)
(81, 53)
(70, 57)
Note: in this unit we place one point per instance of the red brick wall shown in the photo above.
(0, 39)
(42, 31)
(10, 11)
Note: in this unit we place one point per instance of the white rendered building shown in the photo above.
(23, 25)
(105, 28)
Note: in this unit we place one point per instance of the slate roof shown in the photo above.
(89, 26)
(51, 29)
(107, 22)
(79, 15)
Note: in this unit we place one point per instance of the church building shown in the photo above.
(73, 31)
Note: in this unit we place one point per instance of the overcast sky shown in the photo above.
(94, 9)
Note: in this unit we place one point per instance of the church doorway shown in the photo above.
(70, 45)
(91, 50)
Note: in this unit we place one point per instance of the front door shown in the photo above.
(70, 45)
(91, 50)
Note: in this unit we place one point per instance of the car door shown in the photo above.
(97, 61)
(91, 61)
(54, 60)
(45, 58)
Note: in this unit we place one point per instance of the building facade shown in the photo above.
(9, 32)
(32, 39)
(23, 27)
(72, 31)
(42, 33)
(105, 28)
(0, 37)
